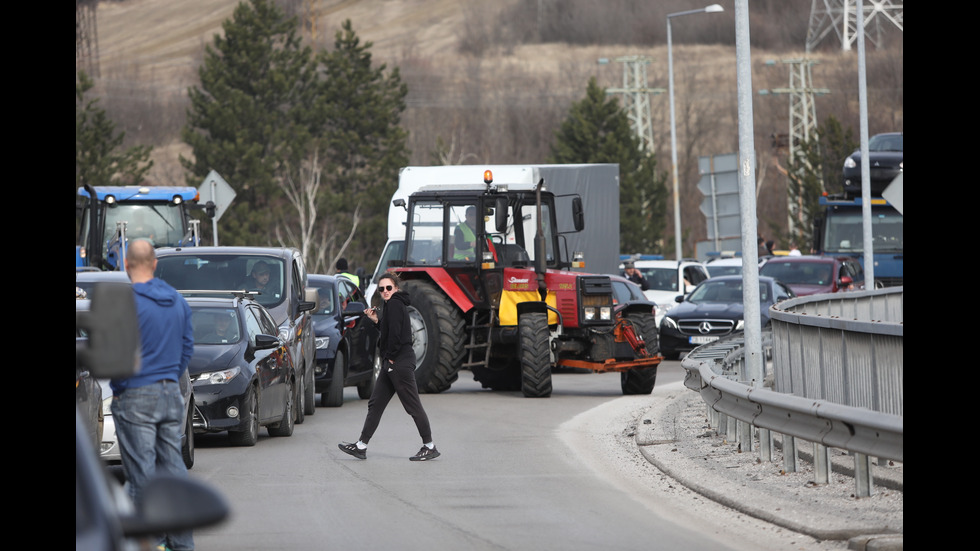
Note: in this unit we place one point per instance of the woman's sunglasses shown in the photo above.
(386, 287)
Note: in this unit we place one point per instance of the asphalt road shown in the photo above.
(515, 473)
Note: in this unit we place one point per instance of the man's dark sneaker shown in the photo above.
(352, 449)
(426, 454)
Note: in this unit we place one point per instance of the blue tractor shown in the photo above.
(112, 215)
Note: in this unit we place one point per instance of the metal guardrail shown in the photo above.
(836, 379)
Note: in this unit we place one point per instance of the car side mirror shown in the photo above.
(266, 342)
(679, 298)
(311, 300)
(112, 350)
(172, 503)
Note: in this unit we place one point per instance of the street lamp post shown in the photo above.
(713, 8)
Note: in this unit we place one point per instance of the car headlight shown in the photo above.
(217, 377)
(605, 313)
(589, 314)
(322, 343)
(849, 163)
(739, 325)
(669, 323)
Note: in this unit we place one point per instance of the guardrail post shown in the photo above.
(745, 436)
(790, 458)
(821, 464)
(863, 478)
(731, 430)
(765, 445)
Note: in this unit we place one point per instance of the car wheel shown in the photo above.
(334, 396)
(300, 398)
(187, 449)
(289, 414)
(250, 423)
(365, 389)
(309, 396)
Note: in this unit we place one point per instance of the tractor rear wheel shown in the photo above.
(438, 336)
(535, 355)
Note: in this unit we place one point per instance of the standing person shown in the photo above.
(148, 407)
(763, 249)
(634, 275)
(342, 268)
(464, 237)
(397, 372)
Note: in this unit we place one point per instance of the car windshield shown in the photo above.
(263, 275)
(723, 291)
(215, 325)
(327, 300)
(889, 142)
(660, 279)
(799, 273)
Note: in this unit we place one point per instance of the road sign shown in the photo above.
(214, 188)
(719, 184)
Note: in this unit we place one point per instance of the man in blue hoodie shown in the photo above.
(148, 407)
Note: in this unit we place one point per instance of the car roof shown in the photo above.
(813, 259)
(102, 276)
(736, 261)
(663, 263)
(282, 252)
(218, 301)
(321, 278)
(724, 278)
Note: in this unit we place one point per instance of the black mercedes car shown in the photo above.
(886, 153)
(242, 370)
(713, 310)
(346, 340)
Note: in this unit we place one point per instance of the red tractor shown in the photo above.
(494, 294)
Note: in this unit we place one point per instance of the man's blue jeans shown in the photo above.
(148, 421)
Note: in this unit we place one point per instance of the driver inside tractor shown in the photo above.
(464, 237)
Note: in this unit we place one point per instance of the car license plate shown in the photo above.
(703, 340)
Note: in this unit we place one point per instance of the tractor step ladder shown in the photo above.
(473, 346)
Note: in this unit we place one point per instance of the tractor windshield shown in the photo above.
(442, 232)
(161, 223)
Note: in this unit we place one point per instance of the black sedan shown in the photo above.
(713, 310)
(241, 369)
(887, 156)
(346, 340)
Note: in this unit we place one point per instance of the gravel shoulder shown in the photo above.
(675, 463)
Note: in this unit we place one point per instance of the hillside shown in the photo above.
(500, 105)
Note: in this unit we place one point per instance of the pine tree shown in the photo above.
(598, 131)
(359, 109)
(250, 117)
(98, 159)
